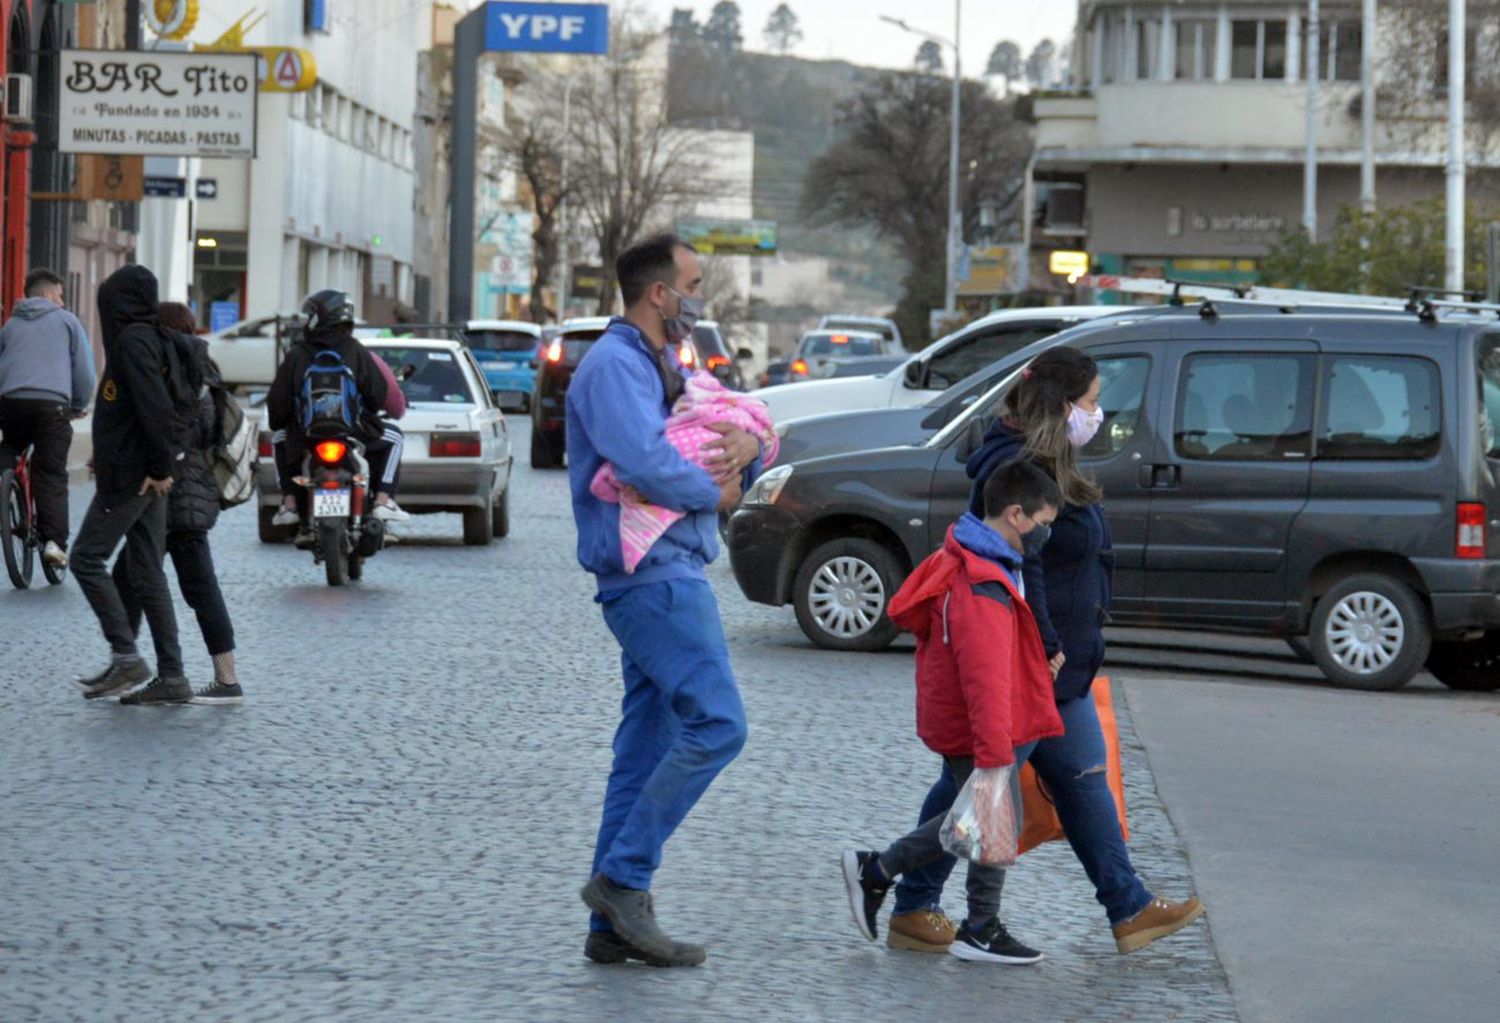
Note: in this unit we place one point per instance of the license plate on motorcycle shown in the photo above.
(331, 504)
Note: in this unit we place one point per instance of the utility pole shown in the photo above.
(955, 225)
(468, 44)
(1453, 252)
(132, 24)
(1310, 159)
(1367, 110)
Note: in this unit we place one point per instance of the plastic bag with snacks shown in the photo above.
(983, 824)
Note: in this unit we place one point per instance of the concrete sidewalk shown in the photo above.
(1343, 841)
(81, 451)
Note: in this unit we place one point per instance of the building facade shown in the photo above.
(328, 200)
(1180, 151)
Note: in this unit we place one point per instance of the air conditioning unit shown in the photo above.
(18, 99)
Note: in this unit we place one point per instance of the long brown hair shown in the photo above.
(177, 316)
(1038, 406)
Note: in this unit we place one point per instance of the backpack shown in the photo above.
(231, 456)
(329, 404)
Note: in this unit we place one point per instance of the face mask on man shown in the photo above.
(1082, 425)
(690, 309)
(1033, 541)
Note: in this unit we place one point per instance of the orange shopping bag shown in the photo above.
(1041, 823)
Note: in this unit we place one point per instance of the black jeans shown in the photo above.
(48, 427)
(194, 563)
(142, 523)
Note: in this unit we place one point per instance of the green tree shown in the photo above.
(722, 30)
(881, 173)
(1039, 64)
(783, 31)
(1405, 250)
(929, 58)
(1005, 61)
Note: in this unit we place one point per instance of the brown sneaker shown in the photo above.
(1157, 920)
(925, 930)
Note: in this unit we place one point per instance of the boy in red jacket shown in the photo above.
(984, 689)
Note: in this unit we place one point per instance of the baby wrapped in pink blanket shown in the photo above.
(704, 403)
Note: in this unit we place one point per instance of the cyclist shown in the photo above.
(46, 381)
(330, 327)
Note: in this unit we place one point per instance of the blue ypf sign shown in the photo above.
(546, 28)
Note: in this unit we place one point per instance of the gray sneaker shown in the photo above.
(630, 914)
(161, 690)
(115, 679)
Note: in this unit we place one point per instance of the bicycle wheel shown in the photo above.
(15, 532)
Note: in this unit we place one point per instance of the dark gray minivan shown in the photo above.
(1327, 474)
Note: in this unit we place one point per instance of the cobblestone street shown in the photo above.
(395, 824)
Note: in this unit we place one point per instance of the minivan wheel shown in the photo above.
(1370, 632)
(841, 593)
(1473, 666)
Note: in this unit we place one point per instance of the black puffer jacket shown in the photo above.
(194, 500)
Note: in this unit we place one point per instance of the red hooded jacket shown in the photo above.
(983, 683)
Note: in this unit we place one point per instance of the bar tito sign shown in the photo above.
(157, 104)
(546, 28)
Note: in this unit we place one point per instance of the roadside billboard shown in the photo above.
(729, 237)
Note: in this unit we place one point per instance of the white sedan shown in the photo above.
(457, 454)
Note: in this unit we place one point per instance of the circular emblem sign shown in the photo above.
(172, 19)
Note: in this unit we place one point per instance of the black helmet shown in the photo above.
(328, 309)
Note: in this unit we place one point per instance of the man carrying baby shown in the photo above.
(681, 719)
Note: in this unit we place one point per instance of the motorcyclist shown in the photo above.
(330, 327)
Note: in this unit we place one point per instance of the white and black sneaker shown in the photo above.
(992, 944)
(122, 674)
(219, 692)
(866, 894)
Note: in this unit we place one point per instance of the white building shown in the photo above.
(1182, 149)
(328, 202)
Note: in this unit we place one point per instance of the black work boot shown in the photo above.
(630, 913)
(122, 674)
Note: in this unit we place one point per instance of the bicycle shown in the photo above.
(18, 534)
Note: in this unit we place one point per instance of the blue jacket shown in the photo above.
(617, 413)
(1070, 585)
(45, 354)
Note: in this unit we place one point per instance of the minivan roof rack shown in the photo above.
(1426, 302)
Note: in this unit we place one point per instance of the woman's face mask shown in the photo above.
(1082, 425)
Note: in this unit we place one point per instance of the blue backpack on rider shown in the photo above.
(329, 405)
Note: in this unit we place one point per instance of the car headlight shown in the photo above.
(768, 488)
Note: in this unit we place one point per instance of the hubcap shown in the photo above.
(1365, 633)
(846, 597)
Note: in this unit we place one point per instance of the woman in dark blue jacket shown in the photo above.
(1051, 412)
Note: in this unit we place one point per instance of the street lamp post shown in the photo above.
(564, 269)
(955, 224)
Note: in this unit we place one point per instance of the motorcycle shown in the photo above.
(337, 479)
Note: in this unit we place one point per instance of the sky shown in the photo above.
(852, 30)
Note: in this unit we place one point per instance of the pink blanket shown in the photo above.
(704, 403)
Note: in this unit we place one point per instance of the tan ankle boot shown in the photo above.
(1159, 919)
(925, 930)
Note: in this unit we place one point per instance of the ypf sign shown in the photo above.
(546, 28)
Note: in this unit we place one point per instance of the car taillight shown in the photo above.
(454, 445)
(1470, 530)
(799, 367)
(685, 354)
(716, 362)
(331, 452)
(554, 351)
(263, 446)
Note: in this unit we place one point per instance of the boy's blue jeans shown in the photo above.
(681, 722)
(1071, 766)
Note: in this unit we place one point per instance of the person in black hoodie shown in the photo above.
(1051, 412)
(193, 510)
(136, 455)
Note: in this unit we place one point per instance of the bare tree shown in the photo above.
(729, 306)
(630, 167)
(535, 149)
(1039, 64)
